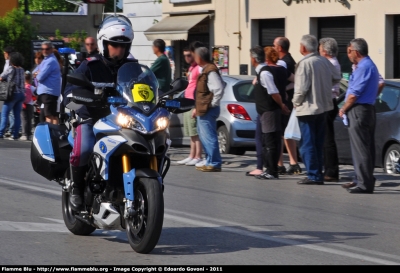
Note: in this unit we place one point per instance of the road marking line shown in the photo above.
(54, 220)
(30, 187)
(32, 227)
(250, 232)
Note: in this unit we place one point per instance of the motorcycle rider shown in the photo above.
(114, 39)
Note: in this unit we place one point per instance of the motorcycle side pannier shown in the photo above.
(50, 151)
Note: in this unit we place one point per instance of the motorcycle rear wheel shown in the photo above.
(144, 229)
(74, 225)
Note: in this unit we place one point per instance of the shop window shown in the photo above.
(269, 30)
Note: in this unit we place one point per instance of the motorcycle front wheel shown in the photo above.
(144, 229)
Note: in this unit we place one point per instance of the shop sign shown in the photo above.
(220, 56)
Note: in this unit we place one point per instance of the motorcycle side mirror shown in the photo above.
(177, 85)
(179, 105)
(79, 79)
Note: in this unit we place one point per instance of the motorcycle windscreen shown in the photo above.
(138, 86)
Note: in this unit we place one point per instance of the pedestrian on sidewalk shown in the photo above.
(190, 121)
(6, 53)
(91, 47)
(360, 110)
(328, 48)
(269, 107)
(14, 73)
(314, 79)
(209, 91)
(161, 67)
(49, 83)
(354, 182)
(27, 108)
(282, 45)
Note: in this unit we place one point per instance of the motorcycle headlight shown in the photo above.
(123, 120)
(130, 123)
(162, 123)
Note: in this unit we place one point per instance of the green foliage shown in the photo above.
(77, 39)
(49, 5)
(58, 35)
(16, 30)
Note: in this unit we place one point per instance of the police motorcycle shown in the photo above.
(124, 182)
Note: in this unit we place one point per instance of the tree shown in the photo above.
(48, 5)
(77, 39)
(16, 30)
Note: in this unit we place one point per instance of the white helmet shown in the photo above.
(117, 29)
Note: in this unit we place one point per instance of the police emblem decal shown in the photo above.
(103, 147)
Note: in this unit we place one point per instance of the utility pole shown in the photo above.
(26, 4)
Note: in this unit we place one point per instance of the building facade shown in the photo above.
(239, 25)
(143, 14)
(7, 6)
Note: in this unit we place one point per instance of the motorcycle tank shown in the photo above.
(138, 86)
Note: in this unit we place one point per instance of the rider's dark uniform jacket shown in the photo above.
(98, 70)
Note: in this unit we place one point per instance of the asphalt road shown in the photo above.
(210, 219)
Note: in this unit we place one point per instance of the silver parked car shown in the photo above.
(236, 124)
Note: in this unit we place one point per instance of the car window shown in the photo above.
(244, 92)
(388, 99)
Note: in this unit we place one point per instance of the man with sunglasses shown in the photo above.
(49, 82)
(91, 47)
(360, 110)
(114, 40)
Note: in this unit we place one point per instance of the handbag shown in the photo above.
(7, 88)
(292, 130)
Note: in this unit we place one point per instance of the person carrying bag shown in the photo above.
(7, 88)
(292, 130)
(14, 74)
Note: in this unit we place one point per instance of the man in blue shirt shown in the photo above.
(360, 111)
(49, 78)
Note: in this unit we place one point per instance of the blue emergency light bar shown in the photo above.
(172, 104)
(66, 50)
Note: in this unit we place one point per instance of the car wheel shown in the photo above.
(391, 158)
(223, 140)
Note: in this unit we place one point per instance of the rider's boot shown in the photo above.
(77, 187)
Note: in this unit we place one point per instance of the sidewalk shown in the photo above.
(247, 162)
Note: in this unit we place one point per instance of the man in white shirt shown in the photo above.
(269, 106)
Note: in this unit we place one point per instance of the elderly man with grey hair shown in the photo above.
(360, 110)
(314, 78)
(209, 91)
(328, 48)
(49, 83)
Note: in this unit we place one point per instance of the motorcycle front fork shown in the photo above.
(126, 167)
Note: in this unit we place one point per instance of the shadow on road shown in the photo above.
(228, 239)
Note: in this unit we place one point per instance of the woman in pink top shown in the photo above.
(189, 122)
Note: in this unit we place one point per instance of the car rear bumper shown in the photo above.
(243, 134)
